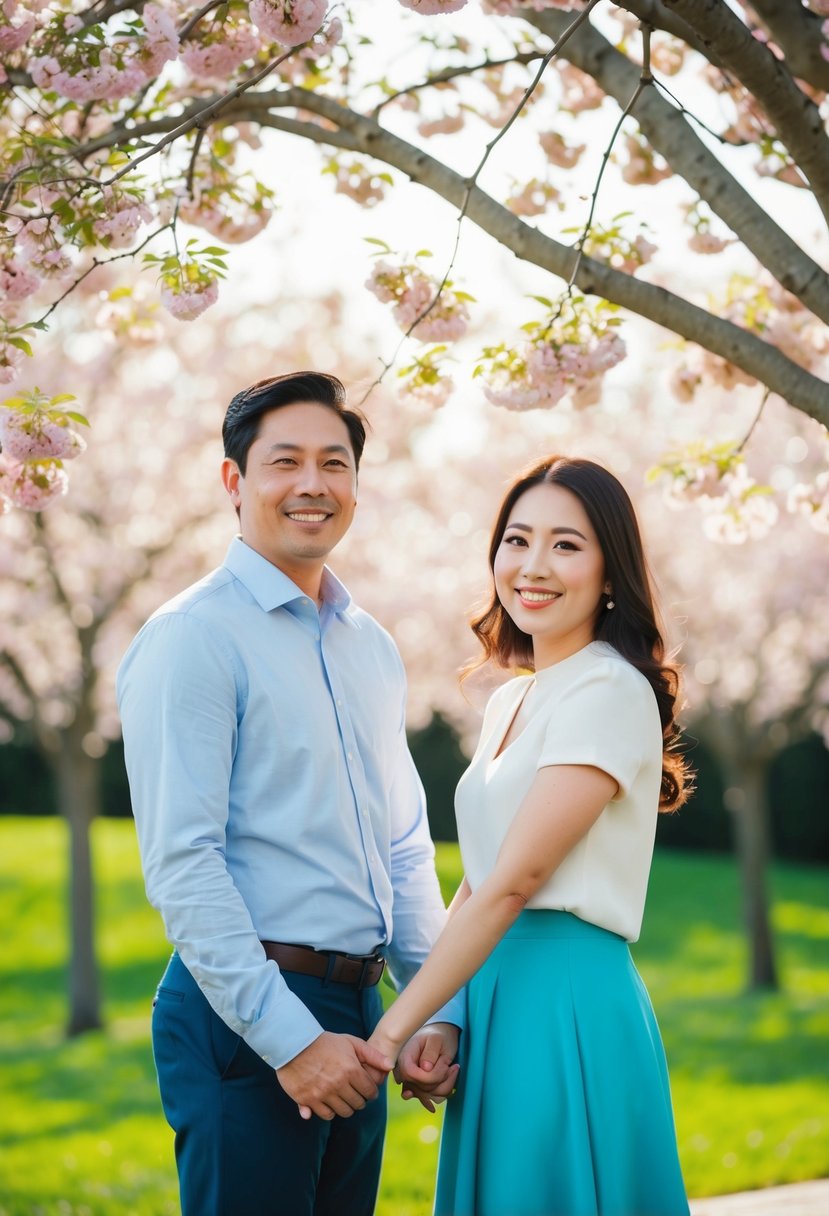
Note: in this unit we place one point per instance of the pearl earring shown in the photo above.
(610, 603)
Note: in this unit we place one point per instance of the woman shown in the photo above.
(563, 1105)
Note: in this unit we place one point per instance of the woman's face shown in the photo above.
(550, 572)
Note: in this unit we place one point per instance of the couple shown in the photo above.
(284, 839)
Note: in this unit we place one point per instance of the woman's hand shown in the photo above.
(424, 1067)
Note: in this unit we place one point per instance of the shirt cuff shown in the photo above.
(286, 1030)
(453, 1011)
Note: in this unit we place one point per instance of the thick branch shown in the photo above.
(655, 14)
(796, 30)
(672, 136)
(360, 134)
(794, 116)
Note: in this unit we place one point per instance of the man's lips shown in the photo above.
(309, 517)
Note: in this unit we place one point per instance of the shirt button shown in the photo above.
(339, 703)
(349, 755)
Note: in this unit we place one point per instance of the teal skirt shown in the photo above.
(563, 1105)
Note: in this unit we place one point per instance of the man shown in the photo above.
(282, 833)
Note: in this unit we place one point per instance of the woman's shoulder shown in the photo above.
(601, 671)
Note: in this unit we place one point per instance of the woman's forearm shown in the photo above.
(474, 928)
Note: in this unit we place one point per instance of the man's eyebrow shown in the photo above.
(553, 531)
(340, 448)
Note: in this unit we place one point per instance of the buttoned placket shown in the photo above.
(351, 754)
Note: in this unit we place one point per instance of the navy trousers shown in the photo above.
(241, 1147)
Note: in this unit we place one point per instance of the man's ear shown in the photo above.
(230, 480)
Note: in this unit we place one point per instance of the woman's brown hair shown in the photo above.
(631, 627)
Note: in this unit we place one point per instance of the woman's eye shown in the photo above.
(514, 540)
(564, 544)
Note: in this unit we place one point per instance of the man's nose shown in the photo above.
(310, 479)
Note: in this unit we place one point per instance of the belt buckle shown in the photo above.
(367, 962)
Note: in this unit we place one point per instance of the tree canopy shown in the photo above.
(144, 132)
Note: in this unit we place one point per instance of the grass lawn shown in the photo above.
(81, 1130)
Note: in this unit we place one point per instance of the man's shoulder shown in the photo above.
(204, 597)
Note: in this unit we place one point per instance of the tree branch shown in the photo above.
(796, 30)
(358, 133)
(672, 136)
(654, 14)
(795, 116)
(449, 74)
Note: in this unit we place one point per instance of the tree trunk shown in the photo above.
(79, 799)
(746, 776)
(753, 847)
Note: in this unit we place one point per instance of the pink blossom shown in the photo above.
(448, 124)
(102, 82)
(704, 241)
(220, 53)
(641, 168)
(118, 228)
(32, 485)
(241, 224)
(161, 43)
(71, 24)
(579, 91)
(16, 282)
(812, 501)
(34, 437)
(508, 8)
(187, 301)
(433, 8)
(684, 382)
(558, 151)
(532, 199)
(667, 57)
(413, 292)
(358, 182)
(12, 37)
(288, 22)
(10, 360)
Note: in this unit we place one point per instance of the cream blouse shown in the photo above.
(591, 708)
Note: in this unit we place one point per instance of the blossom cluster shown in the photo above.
(610, 244)
(357, 181)
(418, 305)
(763, 307)
(735, 507)
(424, 381)
(36, 438)
(566, 355)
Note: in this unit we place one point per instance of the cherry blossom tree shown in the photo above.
(127, 127)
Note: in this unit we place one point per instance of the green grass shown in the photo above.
(81, 1130)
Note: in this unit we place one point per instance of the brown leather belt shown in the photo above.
(356, 970)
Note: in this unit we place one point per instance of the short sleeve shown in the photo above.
(605, 719)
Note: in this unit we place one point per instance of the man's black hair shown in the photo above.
(245, 412)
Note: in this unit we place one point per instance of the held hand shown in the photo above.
(424, 1067)
(335, 1075)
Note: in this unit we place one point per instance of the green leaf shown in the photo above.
(77, 417)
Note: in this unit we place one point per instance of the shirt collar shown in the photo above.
(271, 588)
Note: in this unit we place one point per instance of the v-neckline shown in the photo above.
(503, 746)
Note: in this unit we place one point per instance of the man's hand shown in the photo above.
(424, 1067)
(335, 1075)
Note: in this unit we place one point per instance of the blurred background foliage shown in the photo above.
(798, 791)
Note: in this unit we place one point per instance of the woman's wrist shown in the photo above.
(383, 1041)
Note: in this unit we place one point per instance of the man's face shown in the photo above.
(297, 497)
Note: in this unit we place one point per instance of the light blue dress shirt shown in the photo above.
(273, 791)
